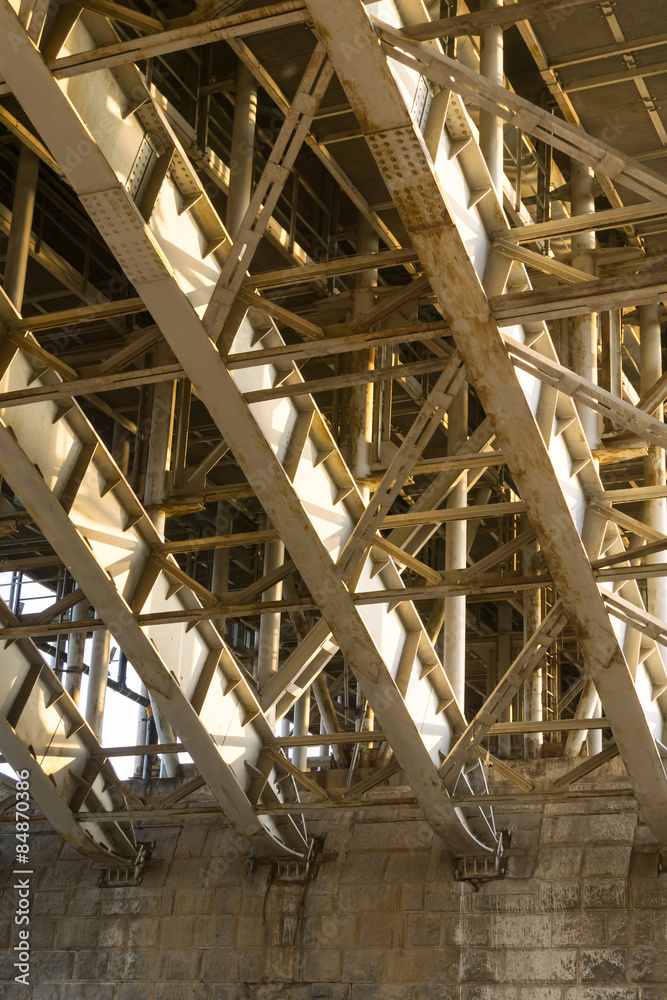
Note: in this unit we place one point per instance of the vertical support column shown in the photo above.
(221, 557)
(359, 399)
(583, 350)
(490, 125)
(655, 511)
(584, 328)
(243, 145)
(159, 451)
(532, 690)
(269, 625)
(301, 725)
(610, 337)
(97, 681)
(23, 207)
(456, 548)
(75, 648)
(359, 424)
(504, 661)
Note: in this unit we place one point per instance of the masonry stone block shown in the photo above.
(475, 991)
(322, 964)
(540, 992)
(647, 965)
(559, 895)
(574, 929)
(191, 841)
(177, 932)
(443, 897)
(92, 965)
(541, 965)
(136, 902)
(216, 932)
(46, 991)
(280, 964)
(143, 932)
(229, 991)
(414, 866)
(225, 967)
(412, 897)
(367, 867)
(250, 932)
(355, 899)
(182, 991)
(408, 836)
(605, 965)
(329, 991)
(379, 991)
(610, 861)
(61, 875)
(616, 827)
(135, 991)
(650, 897)
(430, 992)
(364, 965)
(112, 932)
(49, 967)
(605, 894)
(81, 991)
(559, 862)
(505, 902)
(423, 930)
(482, 966)
(193, 901)
(137, 964)
(50, 903)
(183, 965)
(518, 930)
(426, 965)
(473, 929)
(42, 932)
(227, 900)
(187, 872)
(602, 992)
(654, 993)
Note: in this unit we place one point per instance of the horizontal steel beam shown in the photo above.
(474, 23)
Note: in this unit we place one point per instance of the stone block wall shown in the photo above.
(582, 915)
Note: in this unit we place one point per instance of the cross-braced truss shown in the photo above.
(342, 470)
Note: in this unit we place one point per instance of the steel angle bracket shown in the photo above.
(476, 869)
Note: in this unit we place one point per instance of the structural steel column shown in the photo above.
(159, 451)
(584, 328)
(243, 145)
(269, 626)
(19, 234)
(301, 725)
(456, 548)
(655, 511)
(359, 411)
(221, 559)
(97, 681)
(491, 136)
(359, 399)
(76, 642)
(504, 661)
(532, 690)
(583, 348)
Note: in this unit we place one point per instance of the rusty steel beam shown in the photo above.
(401, 156)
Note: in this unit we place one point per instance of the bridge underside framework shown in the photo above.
(331, 408)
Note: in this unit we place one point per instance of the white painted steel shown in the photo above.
(552, 491)
(165, 263)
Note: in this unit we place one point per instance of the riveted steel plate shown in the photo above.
(123, 230)
(400, 157)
